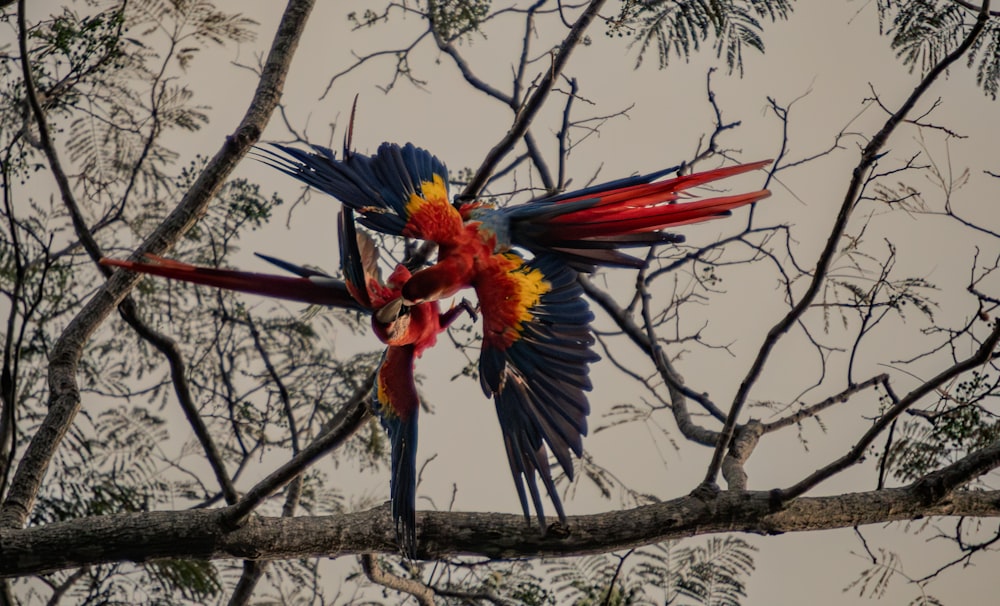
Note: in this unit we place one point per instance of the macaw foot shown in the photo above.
(452, 314)
(557, 530)
(472, 310)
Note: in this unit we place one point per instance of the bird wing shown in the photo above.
(402, 191)
(396, 402)
(534, 363)
(358, 260)
(311, 287)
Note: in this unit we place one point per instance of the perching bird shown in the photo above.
(537, 343)
(406, 332)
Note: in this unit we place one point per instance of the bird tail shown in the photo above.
(589, 227)
(310, 287)
(403, 488)
(397, 404)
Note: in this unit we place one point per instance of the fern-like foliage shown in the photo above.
(922, 32)
(679, 29)
(713, 573)
(958, 426)
(873, 581)
(986, 51)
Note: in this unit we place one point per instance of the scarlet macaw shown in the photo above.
(407, 334)
(536, 325)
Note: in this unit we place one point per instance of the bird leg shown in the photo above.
(452, 314)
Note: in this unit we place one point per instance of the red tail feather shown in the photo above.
(652, 206)
(666, 191)
(637, 218)
(306, 290)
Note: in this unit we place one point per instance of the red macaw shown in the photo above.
(537, 343)
(406, 332)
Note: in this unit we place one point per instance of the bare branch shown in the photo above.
(815, 409)
(342, 426)
(534, 103)
(984, 353)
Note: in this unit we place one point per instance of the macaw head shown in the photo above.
(391, 323)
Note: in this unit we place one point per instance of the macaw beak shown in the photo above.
(388, 314)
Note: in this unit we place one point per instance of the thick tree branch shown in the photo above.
(128, 308)
(204, 534)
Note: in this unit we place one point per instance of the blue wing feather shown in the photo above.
(597, 190)
(378, 186)
(539, 385)
(351, 262)
(298, 270)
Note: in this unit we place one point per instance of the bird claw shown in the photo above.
(557, 530)
(470, 309)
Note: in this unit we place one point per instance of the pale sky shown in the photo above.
(830, 50)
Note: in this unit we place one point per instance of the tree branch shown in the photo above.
(815, 409)
(202, 534)
(534, 103)
(677, 390)
(980, 357)
(343, 425)
(423, 594)
(128, 309)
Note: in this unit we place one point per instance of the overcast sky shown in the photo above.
(830, 50)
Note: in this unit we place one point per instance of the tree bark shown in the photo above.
(203, 534)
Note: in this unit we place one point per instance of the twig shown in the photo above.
(818, 407)
(423, 594)
(342, 426)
